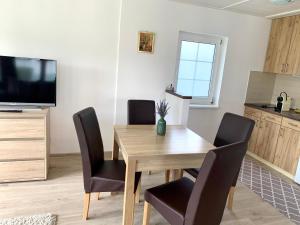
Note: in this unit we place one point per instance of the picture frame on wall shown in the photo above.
(146, 42)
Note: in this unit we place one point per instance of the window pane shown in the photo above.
(186, 69)
(206, 52)
(203, 71)
(188, 50)
(185, 87)
(201, 88)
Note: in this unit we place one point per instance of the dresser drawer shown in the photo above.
(17, 150)
(292, 124)
(22, 128)
(271, 117)
(253, 112)
(22, 170)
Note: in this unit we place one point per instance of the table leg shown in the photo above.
(115, 156)
(167, 176)
(115, 152)
(177, 174)
(128, 204)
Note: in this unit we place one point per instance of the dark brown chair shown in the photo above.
(141, 112)
(99, 175)
(183, 202)
(233, 128)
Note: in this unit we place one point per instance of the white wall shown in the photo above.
(83, 36)
(146, 75)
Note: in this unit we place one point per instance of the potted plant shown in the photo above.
(162, 110)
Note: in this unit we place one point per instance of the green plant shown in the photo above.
(162, 108)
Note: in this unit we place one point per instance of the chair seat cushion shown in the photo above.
(110, 177)
(171, 199)
(193, 172)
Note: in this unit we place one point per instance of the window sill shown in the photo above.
(195, 106)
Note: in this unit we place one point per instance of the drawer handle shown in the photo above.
(294, 125)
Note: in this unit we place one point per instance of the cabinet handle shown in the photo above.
(281, 132)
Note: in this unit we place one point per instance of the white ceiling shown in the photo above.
(262, 8)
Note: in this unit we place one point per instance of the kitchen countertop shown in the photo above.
(289, 114)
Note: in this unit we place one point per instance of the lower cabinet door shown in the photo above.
(268, 133)
(253, 139)
(288, 150)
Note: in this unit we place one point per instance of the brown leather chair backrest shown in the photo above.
(233, 128)
(209, 195)
(90, 141)
(141, 112)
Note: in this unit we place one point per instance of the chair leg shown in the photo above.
(147, 212)
(98, 195)
(86, 205)
(138, 193)
(167, 176)
(230, 198)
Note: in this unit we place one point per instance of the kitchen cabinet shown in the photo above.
(283, 54)
(275, 140)
(254, 135)
(268, 133)
(288, 146)
(288, 150)
(293, 58)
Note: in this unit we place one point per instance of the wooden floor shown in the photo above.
(62, 195)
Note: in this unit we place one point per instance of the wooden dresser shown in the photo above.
(24, 145)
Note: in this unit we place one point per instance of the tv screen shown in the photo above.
(27, 81)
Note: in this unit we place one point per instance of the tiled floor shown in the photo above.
(281, 194)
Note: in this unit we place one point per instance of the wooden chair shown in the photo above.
(99, 175)
(233, 128)
(183, 202)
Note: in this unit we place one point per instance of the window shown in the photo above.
(199, 67)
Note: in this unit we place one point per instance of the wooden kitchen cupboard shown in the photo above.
(255, 115)
(293, 58)
(288, 146)
(283, 55)
(268, 133)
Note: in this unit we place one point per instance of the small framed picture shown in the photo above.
(146, 42)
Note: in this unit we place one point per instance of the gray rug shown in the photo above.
(44, 219)
(271, 188)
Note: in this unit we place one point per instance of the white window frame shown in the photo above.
(217, 69)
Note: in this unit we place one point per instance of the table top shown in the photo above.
(142, 140)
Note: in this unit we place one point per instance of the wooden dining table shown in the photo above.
(143, 150)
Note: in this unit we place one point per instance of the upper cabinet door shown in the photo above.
(293, 59)
(279, 45)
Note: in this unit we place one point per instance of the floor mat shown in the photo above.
(283, 196)
(44, 219)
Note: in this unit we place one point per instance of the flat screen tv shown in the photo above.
(27, 81)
